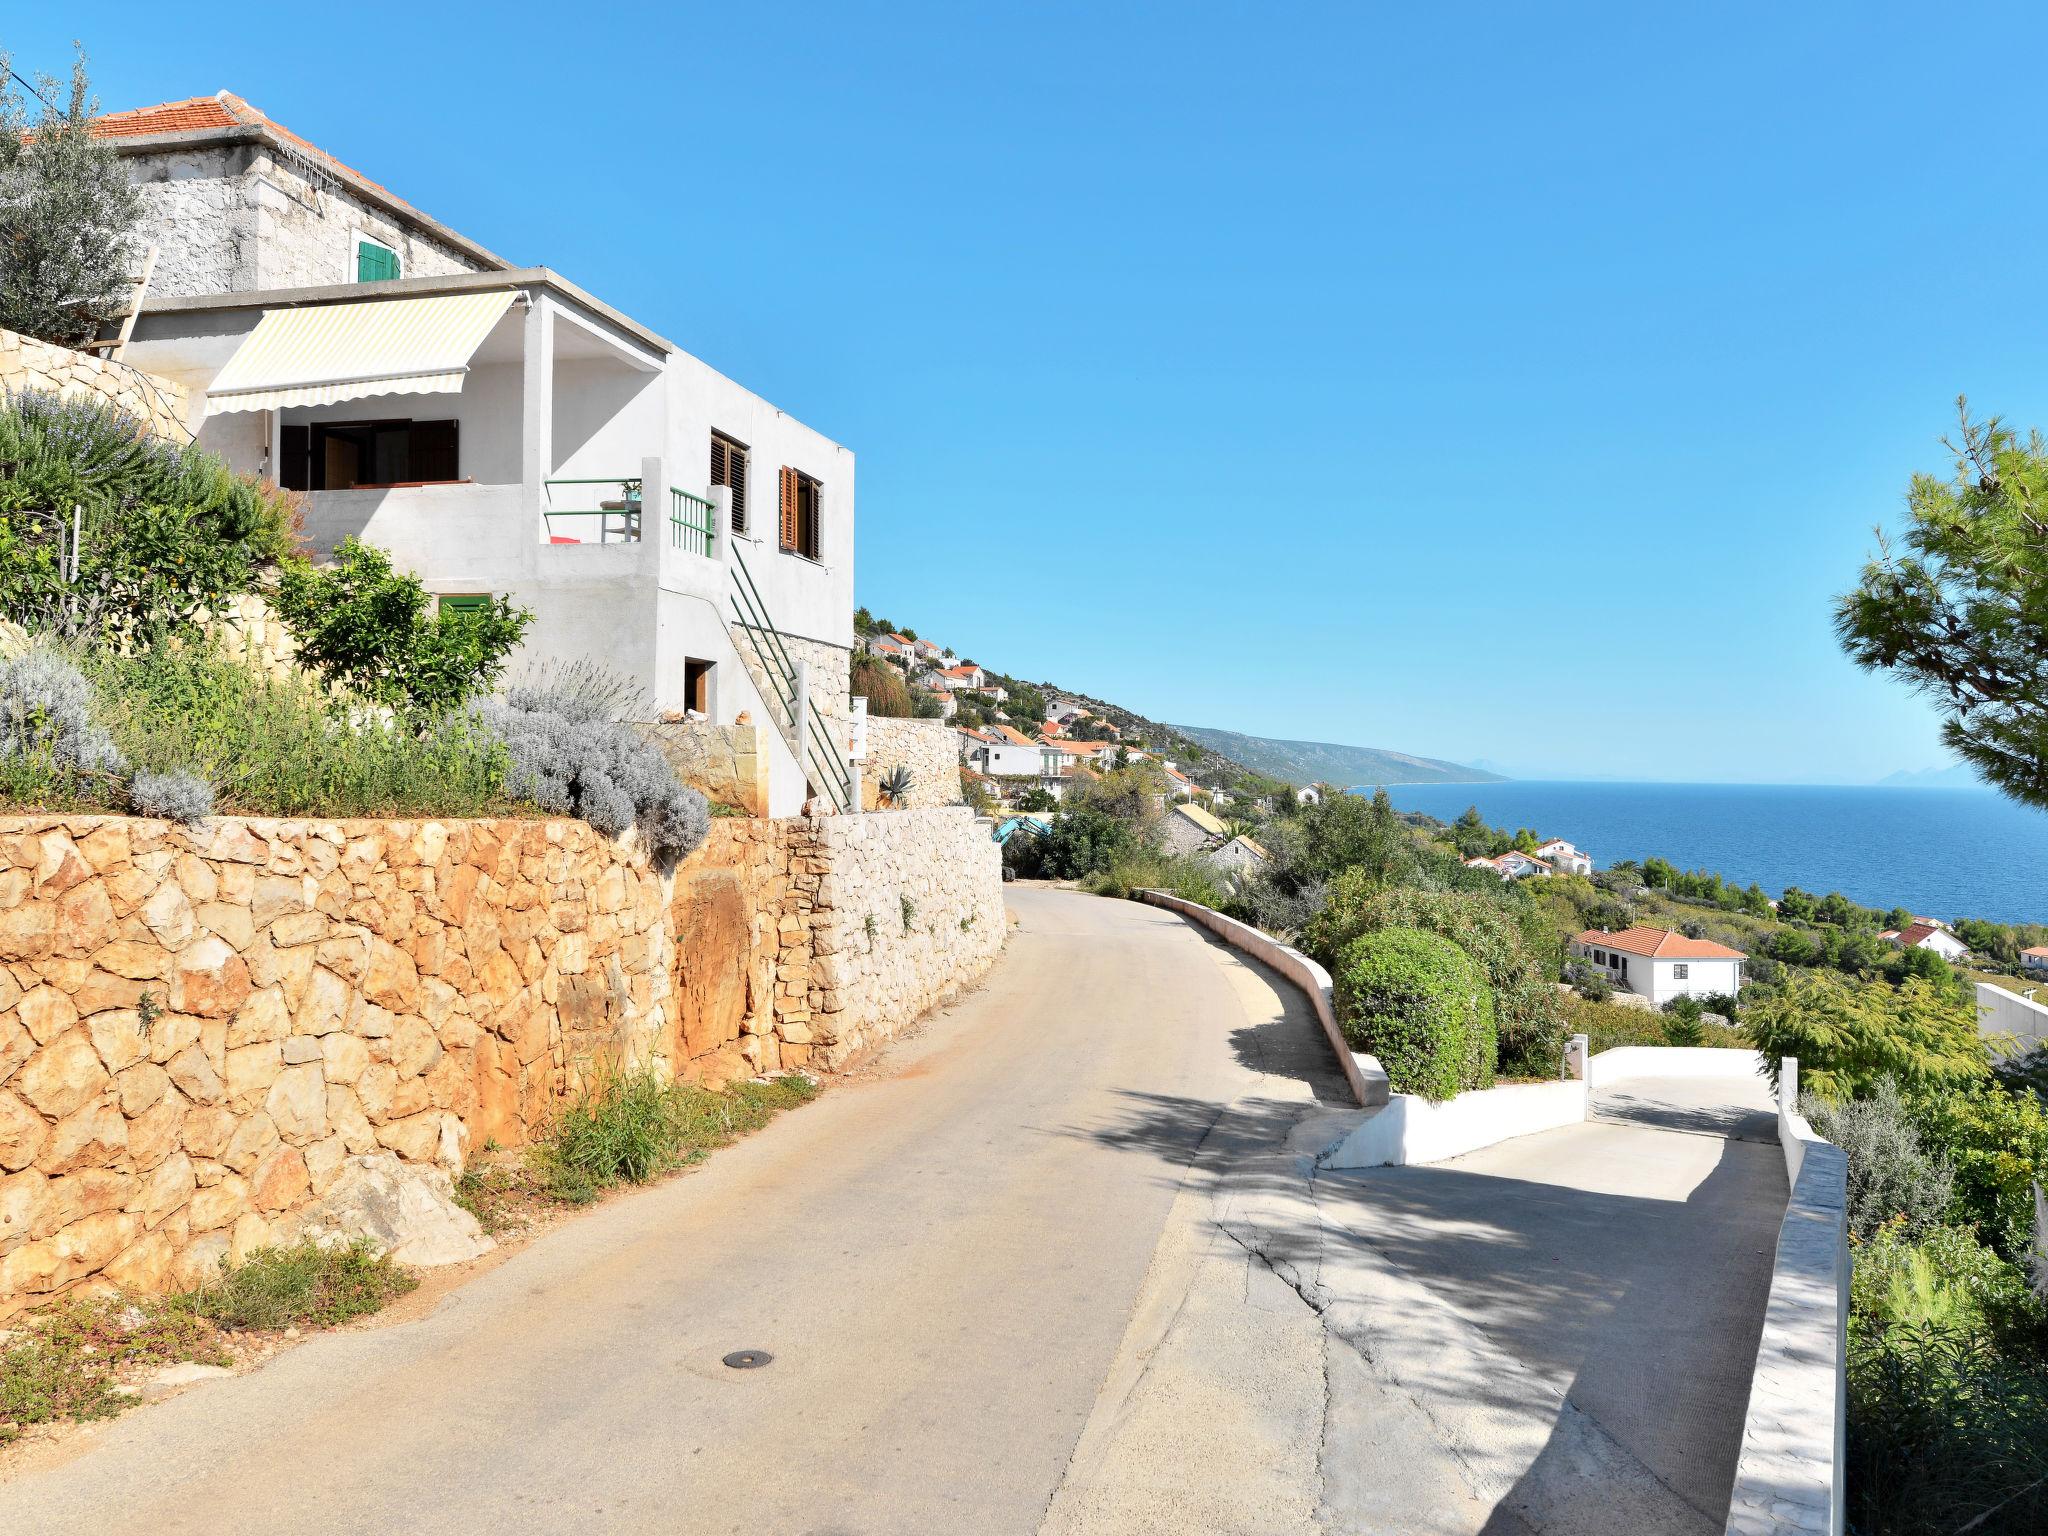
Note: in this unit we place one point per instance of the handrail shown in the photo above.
(818, 750)
(699, 538)
(628, 512)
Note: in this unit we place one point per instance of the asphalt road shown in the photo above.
(1059, 1263)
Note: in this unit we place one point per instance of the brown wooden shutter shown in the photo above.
(788, 489)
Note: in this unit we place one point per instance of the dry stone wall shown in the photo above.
(930, 749)
(202, 1029)
(159, 404)
(726, 763)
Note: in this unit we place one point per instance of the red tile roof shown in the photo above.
(1917, 934)
(223, 109)
(1660, 944)
(2038, 951)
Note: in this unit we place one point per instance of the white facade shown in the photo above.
(1660, 979)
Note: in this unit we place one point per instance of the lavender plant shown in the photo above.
(179, 795)
(46, 718)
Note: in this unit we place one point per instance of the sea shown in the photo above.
(1946, 853)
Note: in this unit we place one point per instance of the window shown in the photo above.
(1680, 972)
(803, 514)
(337, 456)
(376, 262)
(465, 602)
(729, 469)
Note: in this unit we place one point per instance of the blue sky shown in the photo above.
(1513, 382)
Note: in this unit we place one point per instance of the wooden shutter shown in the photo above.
(788, 498)
(729, 469)
(375, 263)
(466, 604)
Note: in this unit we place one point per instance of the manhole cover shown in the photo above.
(748, 1359)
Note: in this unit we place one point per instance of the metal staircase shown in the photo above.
(781, 681)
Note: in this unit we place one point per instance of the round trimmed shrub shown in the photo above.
(1421, 1005)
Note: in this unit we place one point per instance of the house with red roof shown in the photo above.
(1924, 934)
(2034, 958)
(495, 429)
(1658, 964)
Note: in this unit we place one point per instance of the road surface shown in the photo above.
(1059, 1263)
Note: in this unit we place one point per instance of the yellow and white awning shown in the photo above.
(330, 352)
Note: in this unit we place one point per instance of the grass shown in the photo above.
(71, 1361)
(1149, 869)
(1608, 1025)
(631, 1127)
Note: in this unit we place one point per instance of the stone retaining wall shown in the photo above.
(930, 749)
(159, 404)
(199, 1027)
(727, 763)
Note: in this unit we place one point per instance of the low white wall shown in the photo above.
(1789, 1477)
(2003, 1013)
(1410, 1129)
(1625, 1061)
(1367, 1079)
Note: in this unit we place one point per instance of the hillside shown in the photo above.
(1326, 762)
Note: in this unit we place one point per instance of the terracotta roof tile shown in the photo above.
(223, 109)
(1660, 944)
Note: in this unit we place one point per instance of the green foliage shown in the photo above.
(1421, 1005)
(1896, 1182)
(1960, 611)
(168, 533)
(1036, 799)
(1943, 1276)
(1682, 1022)
(1997, 1141)
(1525, 1007)
(888, 695)
(1944, 1434)
(1609, 1024)
(277, 746)
(1847, 1036)
(1142, 867)
(895, 786)
(61, 1362)
(907, 909)
(364, 627)
(1080, 843)
(302, 1286)
(632, 1127)
(67, 213)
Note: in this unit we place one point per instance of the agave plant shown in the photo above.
(895, 785)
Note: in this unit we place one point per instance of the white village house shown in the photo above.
(1563, 857)
(1659, 964)
(1927, 935)
(499, 431)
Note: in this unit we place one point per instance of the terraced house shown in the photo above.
(499, 431)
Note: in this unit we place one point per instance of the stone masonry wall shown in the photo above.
(199, 1027)
(930, 749)
(159, 404)
(725, 762)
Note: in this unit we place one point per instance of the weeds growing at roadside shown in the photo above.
(630, 1127)
(304, 1286)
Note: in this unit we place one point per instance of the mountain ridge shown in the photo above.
(1330, 762)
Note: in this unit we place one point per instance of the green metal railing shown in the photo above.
(818, 752)
(618, 516)
(692, 523)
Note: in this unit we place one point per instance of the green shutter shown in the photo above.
(466, 603)
(374, 263)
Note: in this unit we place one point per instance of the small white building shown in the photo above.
(1658, 964)
(1927, 935)
(1517, 865)
(1308, 794)
(1561, 856)
(2034, 958)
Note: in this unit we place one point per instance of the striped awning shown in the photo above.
(329, 352)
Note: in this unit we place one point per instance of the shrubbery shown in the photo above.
(1531, 1029)
(1847, 1035)
(1421, 1005)
(570, 755)
(1893, 1179)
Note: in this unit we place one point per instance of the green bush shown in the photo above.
(1145, 868)
(169, 532)
(1944, 1276)
(1997, 1141)
(362, 626)
(1894, 1180)
(1421, 1005)
(1848, 1034)
(278, 746)
(1682, 1025)
(627, 1128)
(306, 1285)
(1526, 1012)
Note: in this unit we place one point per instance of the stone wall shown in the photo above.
(201, 1027)
(877, 961)
(159, 404)
(930, 749)
(240, 217)
(728, 763)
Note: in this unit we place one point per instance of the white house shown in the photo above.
(1309, 794)
(499, 431)
(1481, 861)
(1003, 755)
(1517, 865)
(1561, 856)
(1660, 965)
(2034, 958)
(1927, 935)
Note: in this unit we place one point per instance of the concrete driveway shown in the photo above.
(1059, 1263)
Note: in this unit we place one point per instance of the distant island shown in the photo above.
(1329, 762)
(1954, 776)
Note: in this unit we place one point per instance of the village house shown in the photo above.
(1190, 829)
(498, 431)
(1923, 934)
(1658, 964)
(1238, 855)
(2034, 958)
(1561, 856)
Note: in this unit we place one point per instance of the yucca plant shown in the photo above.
(895, 785)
